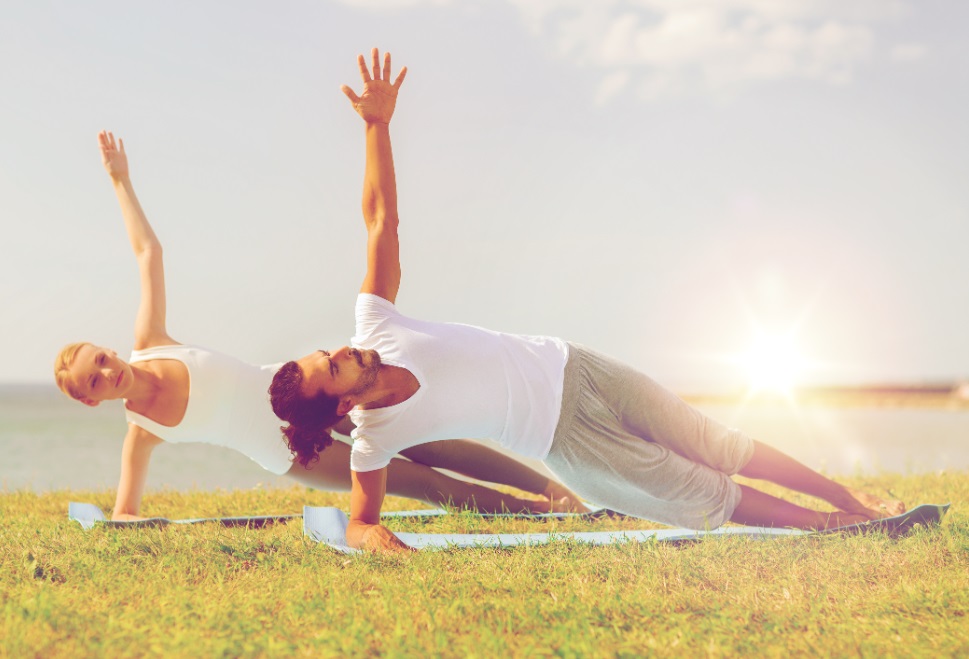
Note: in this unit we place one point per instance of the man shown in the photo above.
(611, 434)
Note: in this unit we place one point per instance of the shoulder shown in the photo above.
(158, 350)
(161, 341)
(367, 455)
(370, 303)
(370, 313)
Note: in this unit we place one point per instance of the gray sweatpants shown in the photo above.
(626, 443)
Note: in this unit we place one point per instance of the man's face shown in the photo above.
(344, 372)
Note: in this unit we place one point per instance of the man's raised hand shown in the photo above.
(376, 103)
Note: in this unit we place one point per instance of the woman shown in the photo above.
(228, 404)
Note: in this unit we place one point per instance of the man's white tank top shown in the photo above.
(228, 405)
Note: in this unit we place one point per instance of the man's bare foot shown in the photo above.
(876, 506)
(838, 519)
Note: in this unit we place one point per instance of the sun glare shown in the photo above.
(773, 364)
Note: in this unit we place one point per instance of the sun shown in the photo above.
(773, 363)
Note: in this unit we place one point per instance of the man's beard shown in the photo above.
(369, 374)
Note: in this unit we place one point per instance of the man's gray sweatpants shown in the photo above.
(626, 443)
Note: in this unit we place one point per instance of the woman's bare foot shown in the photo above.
(564, 500)
(568, 505)
(876, 506)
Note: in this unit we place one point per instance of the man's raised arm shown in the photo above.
(376, 106)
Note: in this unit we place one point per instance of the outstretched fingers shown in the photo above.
(352, 95)
(386, 66)
(375, 60)
(106, 141)
(400, 76)
(364, 72)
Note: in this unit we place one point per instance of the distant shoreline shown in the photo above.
(933, 396)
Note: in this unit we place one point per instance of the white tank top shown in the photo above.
(474, 383)
(228, 405)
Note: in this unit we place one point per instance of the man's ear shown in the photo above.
(89, 402)
(345, 405)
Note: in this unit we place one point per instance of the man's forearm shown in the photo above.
(380, 183)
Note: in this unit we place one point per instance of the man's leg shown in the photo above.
(653, 413)
(757, 508)
(767, 463)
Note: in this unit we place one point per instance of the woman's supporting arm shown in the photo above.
(135, 455)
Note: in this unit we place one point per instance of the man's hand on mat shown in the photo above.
(113, 156)
(376, 103)
(380, 539)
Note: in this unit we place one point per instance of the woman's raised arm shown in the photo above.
(150, 321)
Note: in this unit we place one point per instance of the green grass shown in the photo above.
(205, 590)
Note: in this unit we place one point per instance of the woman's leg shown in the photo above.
(767, 463)
(414, 481)
(477, 461)
(417, 481)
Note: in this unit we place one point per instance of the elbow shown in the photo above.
(150, 252)
(382, 221)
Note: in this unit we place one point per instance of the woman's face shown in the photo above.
(97, 374)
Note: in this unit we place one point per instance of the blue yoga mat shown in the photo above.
(87, 515)
(329, 526)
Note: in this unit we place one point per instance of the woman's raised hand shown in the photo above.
(112, 155)
(376, 103)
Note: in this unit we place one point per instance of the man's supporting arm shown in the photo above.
(366, 498)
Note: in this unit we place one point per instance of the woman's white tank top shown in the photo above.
(228, 405)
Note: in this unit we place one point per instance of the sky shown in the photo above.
(672, 182)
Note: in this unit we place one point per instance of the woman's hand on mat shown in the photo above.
(125, 517)
(113, 156)
(380, 539)
(376, 103)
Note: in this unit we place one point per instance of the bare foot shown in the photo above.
(876, 506)
(838, 519)
(563, 499)
(543, 506)
(567, 505)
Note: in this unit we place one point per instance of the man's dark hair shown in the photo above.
(309, 418)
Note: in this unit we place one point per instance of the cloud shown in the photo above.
(391, 4)
(670, 47)
(611, 85)
(909, 52)
(666, 48)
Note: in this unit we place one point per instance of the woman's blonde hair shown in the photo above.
(65, 359)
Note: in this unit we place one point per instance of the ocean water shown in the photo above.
(49, 442)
